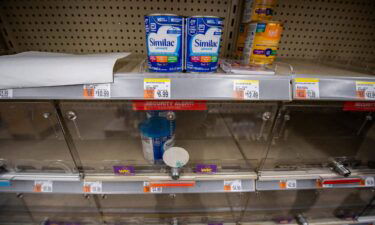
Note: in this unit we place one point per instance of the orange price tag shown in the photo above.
(365, 90)
(246, 89)
(43, 186)
(92, 187)
(232, 185)
(157, 88)
(148, 188)
(306, 88)
(99, 91)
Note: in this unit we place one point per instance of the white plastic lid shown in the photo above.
(176, 157)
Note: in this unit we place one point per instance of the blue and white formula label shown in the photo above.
(164, 41)
(203, 36)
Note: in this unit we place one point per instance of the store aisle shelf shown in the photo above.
(188, 183)
(138, 184)
(313, 179)
(336, 81)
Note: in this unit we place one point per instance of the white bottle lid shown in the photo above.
(176, 157)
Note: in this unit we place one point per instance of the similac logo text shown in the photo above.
(210, 43)
(165, 40)
(207, 43)
(161, 43)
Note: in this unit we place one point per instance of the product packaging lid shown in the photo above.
(156, 127)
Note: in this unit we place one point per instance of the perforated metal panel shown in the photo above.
(335, 29)
(92, 26)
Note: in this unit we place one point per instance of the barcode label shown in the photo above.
(43, 186)
(92, 187)
(99, 91)
(157, 88)
(6, 93)
(149, 189)
(246, 89)
(232, 185)
(365, 90)
(369, 182)
(291, 184)
(306, 88)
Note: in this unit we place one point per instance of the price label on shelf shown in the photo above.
(365, 90)
(147, 188)
(369, 182)
(157, 88)
(98, 91)
(291, 184)
(232, 185)
(288, 184)
(43, 186)
(6, 93)
(246, 89)
(92, 187)
(156, 189)
(306, 88)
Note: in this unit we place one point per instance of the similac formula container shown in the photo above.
(203, 34)
(164, 41)
(157, 136)
(262, 42)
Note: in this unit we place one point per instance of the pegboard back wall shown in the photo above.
(97, 26)
(337, 29)
(333, 29)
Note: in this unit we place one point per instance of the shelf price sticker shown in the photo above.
(365, 90)
(306, 88)
(288, 184)
(157, 88)
(370, 182)
(246, 89)
(232, 185)
(92, 187)
(6, 93)
(43, 186)
(97, 91)
(149, 189)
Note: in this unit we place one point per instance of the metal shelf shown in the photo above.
(313, 179)
(188, 183)
(336, 81)
(184, 86)
(110, 184)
